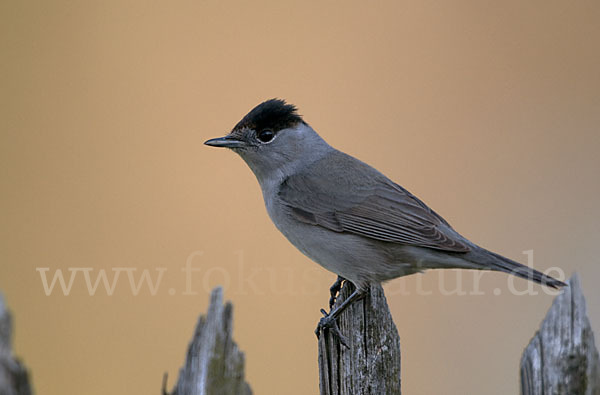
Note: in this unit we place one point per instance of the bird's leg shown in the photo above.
(329, 320)
(335, 290)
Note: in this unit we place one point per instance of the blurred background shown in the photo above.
(488, 111)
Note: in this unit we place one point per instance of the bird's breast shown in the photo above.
(341, 253)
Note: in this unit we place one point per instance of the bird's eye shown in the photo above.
(265, 135)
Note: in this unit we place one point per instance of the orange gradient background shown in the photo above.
(488, 111)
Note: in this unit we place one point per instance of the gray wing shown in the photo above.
(377, 208)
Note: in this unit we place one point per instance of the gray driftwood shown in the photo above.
(214, 363)
(562, 357)
(14, 379)
(371, 363)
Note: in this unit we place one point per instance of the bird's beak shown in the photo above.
(227, 142)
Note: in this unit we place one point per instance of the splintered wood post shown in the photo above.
(562, 358)
(14, 379)
(371, 363)
(214, 364)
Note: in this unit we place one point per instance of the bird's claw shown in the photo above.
(328, 322)
(334, 290)
(332, 301)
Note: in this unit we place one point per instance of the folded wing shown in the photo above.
(352, 197)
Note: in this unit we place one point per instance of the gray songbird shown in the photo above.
(344, 214)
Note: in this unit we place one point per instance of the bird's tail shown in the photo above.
(494, 261)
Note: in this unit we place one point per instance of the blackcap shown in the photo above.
(344, 214)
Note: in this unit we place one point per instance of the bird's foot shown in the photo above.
(334, 290)
(329, 322)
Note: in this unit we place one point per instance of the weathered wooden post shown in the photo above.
(370, 365)
(562, 358)
(214, 363)
(14, 378)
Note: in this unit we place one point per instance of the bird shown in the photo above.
(344, 214)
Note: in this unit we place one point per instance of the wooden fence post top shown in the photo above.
(562, 357)
(14, 378)
(371, 363)
(214, 363)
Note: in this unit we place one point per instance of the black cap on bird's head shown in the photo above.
(265, 120)
(274, 114)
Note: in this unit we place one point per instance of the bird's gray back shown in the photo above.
(343, 194)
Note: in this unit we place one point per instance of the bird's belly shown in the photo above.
(334, 253)
(356, 258)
